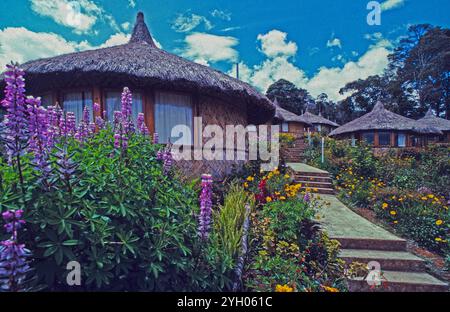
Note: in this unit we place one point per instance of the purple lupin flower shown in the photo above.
(38, 129)
(99, 122)
(155, 138)
(168, 161)
(96, 108)
(13, 255)
(16, 123)
(126, 101)
(70, 123)
(205, 206)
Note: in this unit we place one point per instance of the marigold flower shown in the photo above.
(283, 288)
(439, 222)
(393, 212)
(268, 199)
(385, 205)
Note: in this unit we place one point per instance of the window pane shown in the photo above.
(384, 138)
(171, 110)
(112, 104)
(368, 137)
(284, 127)
(73, 102)
(401, 140)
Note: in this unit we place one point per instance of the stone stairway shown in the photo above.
(363, 242)
(313, 179)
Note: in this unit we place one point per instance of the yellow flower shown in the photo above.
(286, 176)
(282, 198)
(393, 212)
(439, 222)
(330, 289)
(250, 178)
(395, 222)
(268, 199)
(424, 198)
(385, 205)
(438, 239)
(283, 288)
(431, 196)
(245, 184)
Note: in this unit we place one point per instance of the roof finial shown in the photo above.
(141, 32)
(378, 106)
(430, 113)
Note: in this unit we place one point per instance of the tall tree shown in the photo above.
(290, 97)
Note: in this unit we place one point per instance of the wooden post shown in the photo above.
(376, 141)
(149, 110)
(323, 154)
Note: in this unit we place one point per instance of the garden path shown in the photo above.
(362, 241)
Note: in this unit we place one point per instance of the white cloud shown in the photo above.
(79, 15)
(391, 4)
(331, 80)
(206, 48)
(20, 45)
(278, 65)
(131, 3)
(226, 16)
(335, 42)
(188, 22)
(125, 26)
(274, 44)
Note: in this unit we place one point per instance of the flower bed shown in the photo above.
(288, 252)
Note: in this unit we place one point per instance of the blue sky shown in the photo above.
(319, 45)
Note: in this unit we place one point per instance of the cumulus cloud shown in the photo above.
(20, 45)
(125, 26)
(391, 4)
(206, 48)
(225, 15)
(79, 15)
(278, 64)
(274, 44)
(335, 42)
(131, 3)
(188, 22)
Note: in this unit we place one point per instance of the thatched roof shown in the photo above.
(318, 119)
(140, 63)
(433, 121)
(284, 115)
(382, 119)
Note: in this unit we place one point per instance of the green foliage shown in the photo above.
(229, 220)
(129, 226)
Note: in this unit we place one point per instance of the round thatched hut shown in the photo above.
(383, 129)
(288, 121)
(168, 89)
(319, 123)
(431, 120)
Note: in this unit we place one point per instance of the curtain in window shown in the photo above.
(384, 138)
(73, 102)
(369, 137)
(113, 103)
(401, 140)
(284, 127)
(170, 110)
(76, 101)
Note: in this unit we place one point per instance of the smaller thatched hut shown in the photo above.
(431, 120)
(319, 123)
(288, 121)
(384, 129)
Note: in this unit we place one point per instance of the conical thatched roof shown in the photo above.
(432, 120)
(140, 63)
(317, 119)
(382, 119)
(285, 115)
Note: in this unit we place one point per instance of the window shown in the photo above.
(76, 101)
(384, 138)
(284, 127)
(401, 140)
(368, 137)
(113, 103)
(47, 100)
(172, 109)
(318, 128)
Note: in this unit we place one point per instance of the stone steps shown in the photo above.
(371, 243)
(318, 190)
(398, 281)
(320, 184)
(389, 260)
(316, 182)
(313, 179)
